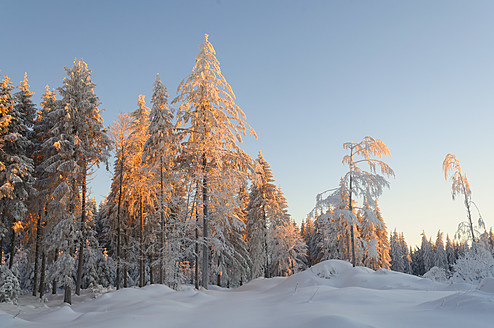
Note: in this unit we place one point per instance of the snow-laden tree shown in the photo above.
(263, 208)
(476, 264)
(113, 208)
(365, 183)
(441, 258)
(382, 240)
(141, 191)
(211, 126)
(9, 285)
(16, 148)
(287, 249)
(460, 186)
(427, 253)
(160, 154)
(91, 144)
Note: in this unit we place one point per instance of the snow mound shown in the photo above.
(330, 294)
(487, 285)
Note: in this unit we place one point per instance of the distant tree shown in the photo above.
(441, 258)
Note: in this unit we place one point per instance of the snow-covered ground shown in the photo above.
(330, 294)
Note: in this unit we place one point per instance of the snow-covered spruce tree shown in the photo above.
(460, 185)
(262, 209)
(382, 240)
(440, 258)
(9, 285)
(57, 183)
(396, 253)
(367, 184)
(91, 144)
(160, 154)
(427, 253)
(17, 169)
(45, 181)
(287, 249)
(113, 208)
(211, 126)
(334, 223)
(368, 233)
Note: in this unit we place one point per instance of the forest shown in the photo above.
(187, 205)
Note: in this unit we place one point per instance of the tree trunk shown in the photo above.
(54, 284)
(1, 251)
(266, 269)
(12, 249)
(351, 209)
(42, 276)
(36, 255)
(205, 246)
(196, 256)
(162, 215)
(141, 243)
(218, 277)
(151, 281)
(67, 296)
(118, 224)
(467, 204)
(125, 275)
(83, 231)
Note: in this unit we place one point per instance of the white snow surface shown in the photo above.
(330, 294)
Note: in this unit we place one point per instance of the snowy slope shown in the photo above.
(330, 294)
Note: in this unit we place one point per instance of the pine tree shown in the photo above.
(212, 126)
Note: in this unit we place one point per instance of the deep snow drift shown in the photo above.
(330, 294)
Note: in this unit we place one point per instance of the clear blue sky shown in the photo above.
(310, 75)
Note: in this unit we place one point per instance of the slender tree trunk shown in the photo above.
(36, 255)
(196, 256)
(67, 296)
(467, 204)
(1, 251)
(218, 277)
(141, 243)
(125, 275)
(54, 284)
(12, 249)
(118, 223)
(151, 281)
(42, 276)
(162, 215)
(266, 270)
(350, 207)
(205, 246)
(83, 231)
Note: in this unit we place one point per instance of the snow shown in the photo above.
(330, 294)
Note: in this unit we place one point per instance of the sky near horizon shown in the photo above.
(309, 75)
